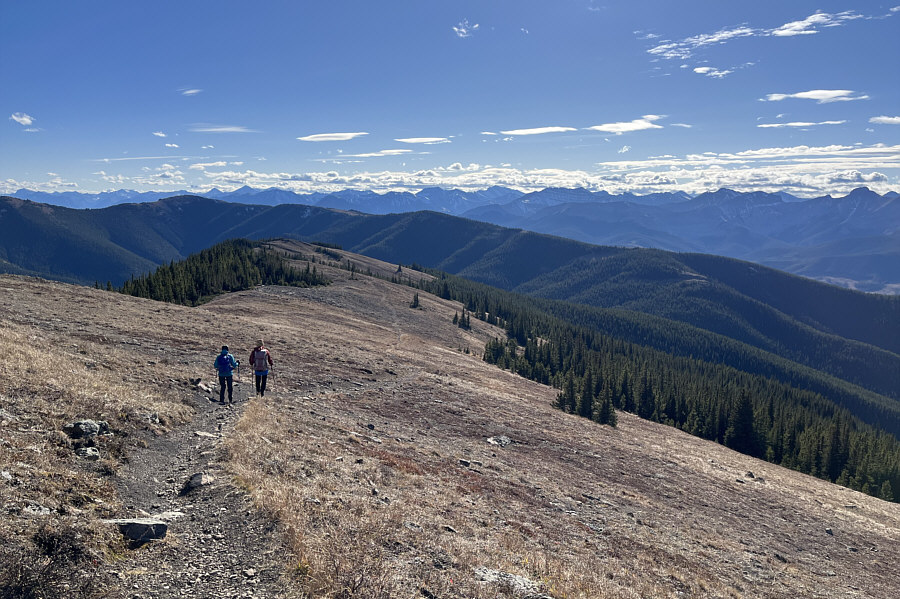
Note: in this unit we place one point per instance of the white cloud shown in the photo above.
(799, 124)
(489, 133)
(538, 131)
(683, 125)
(190, 92)
(645, 122)
(822, 96)
(464, 29)
(624, 149)
(423, 140)
(171, 145)
(199, 166)
(332, 136)
(380, 153)
(202, 128)
(712, 72)
(685, 48)
(885, 120)
(159, 134)
(207, 147)
(22, 118)
(810, 24)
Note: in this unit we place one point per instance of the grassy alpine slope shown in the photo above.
(371, 455)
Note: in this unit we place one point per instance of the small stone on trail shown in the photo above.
(196, 481)
(501, 440)
(205, 434)
(828, 531)
(465, 463)
(141, 529)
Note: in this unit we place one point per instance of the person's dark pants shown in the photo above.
(223, 381)
(261, 384)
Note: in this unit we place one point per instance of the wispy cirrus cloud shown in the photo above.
(26, 120)
(423, 140)
(886, 120)
(332, 136)
(159, 134)
(380, 153)
(798, 124)
(172, 145)
(190, 91)
(713, 72)
(814, 22)
(821, 96)
(205, 128)
(645, 122)
(687, 47)
(465, 29)
(538, 130)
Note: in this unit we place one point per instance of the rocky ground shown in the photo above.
(389, 461)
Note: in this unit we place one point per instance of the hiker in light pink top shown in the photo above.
(261, 360)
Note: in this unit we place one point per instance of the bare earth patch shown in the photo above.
(378, 464)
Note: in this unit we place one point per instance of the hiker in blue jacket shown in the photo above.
(225, 364)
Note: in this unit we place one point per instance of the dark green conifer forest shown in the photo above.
(753, 402)
(228, 266)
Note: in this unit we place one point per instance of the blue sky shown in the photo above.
(638, 96)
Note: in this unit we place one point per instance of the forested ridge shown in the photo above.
(228, 266)
(774, 410)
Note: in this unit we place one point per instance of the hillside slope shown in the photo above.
(372, 448)
(847, 334)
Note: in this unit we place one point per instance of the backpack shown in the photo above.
(260, 359)
(223, 364)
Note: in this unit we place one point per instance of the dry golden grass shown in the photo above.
(370, 452)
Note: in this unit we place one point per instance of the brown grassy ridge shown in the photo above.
(588, 511)
(371, 452)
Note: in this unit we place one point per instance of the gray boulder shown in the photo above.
(84, 429)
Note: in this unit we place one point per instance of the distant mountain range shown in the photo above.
(851, 241)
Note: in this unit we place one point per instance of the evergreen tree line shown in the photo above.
(786, 420)
(232, 265)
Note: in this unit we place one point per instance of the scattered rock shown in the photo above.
(501, 440)
(83, 429)
(35, 509)
(449, 528)
(749, 474)
(519, 585)
(197, 480)
(413, 526)
(465, 463)
(141, 530)
(828, 531)
(88, 453)
(206, 435)
(250, 572)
